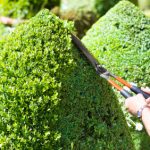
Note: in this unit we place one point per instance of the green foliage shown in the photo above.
(85, 12)
(142, 142)
(30, 81)
(120, 41)
(24, 8)
(82, 13)
(91, 118)
(51, 98)
(102, 6)
(2, 29)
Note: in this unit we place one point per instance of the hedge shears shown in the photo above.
(104, 73)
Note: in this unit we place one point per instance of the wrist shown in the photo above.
(143, 110)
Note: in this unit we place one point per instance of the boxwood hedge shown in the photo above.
(24, 8)
(120, 41)
(51, 97)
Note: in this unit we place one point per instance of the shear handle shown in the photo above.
(122, 91)
(137, 90)
(133, 88)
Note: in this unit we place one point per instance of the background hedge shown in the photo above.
(24, 8)
(120, 41)
(84, 12)
(122, 38)
(100, 7)
(51, 98)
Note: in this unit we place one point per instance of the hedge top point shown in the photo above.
(104, 73)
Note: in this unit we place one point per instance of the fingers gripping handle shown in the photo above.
(137, 90)
(133, 88)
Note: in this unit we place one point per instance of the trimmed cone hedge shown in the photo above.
(120, 41)
(51, 97)
(24, 8)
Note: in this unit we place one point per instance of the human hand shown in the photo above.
(147, 90)
(135, 103)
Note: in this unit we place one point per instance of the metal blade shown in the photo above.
(85, 51)
(99, 69)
